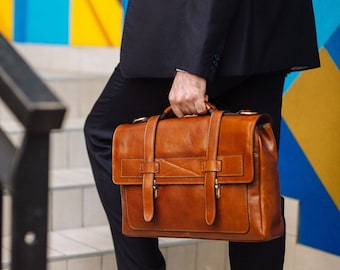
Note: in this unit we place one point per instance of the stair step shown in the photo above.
(68, 149)
(73, 201)
(80, 242)
(66, 248)
(61, 179)
(78, 91)
(96, 60)
(77, 99)
(67, 145)
(92, 247)
(77, 77)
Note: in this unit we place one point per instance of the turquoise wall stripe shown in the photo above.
(319, 217)
(333, 46)
(327, 19)
(20, 19)
(125, 4)
(290, 80)
(43, 21)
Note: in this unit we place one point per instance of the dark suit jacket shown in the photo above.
(218, 37)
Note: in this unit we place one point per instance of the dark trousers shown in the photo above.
(123, 100)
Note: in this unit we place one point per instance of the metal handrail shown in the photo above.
(24, 168)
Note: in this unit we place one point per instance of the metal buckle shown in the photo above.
(140, 120)
(247, 112)
(217, 189)
(155, 191)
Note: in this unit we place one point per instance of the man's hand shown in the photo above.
(188, 94)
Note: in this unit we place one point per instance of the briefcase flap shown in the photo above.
(180, 151)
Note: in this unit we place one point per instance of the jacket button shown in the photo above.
(215, 62)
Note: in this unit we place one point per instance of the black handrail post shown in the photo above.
(24, 169)
(29, 204)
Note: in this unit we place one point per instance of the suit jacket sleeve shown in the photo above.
(203, 35)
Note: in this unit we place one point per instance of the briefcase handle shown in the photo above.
(168, 113)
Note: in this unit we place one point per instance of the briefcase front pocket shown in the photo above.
(179, 199)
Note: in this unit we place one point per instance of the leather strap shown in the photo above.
(149, 167)
(212, 166)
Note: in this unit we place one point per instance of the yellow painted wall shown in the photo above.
(96, 23)
(6, 18)
(311, 110)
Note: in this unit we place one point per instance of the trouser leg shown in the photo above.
(257, 256)
(264, 95)
(121, 101)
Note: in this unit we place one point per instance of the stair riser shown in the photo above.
(68, 209)
(78, 94)
(75, 208)
(68, 149)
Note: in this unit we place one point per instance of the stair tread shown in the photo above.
(88, 241)
(79, 241)
(74, 123)
(73, 177)
(56, 74)
(69, 243)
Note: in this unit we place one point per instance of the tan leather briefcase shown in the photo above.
(211, 177)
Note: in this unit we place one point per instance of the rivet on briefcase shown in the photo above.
(212, 177)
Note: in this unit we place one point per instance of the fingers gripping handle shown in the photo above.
(168, 113)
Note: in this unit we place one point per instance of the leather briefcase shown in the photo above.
(211, 177)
